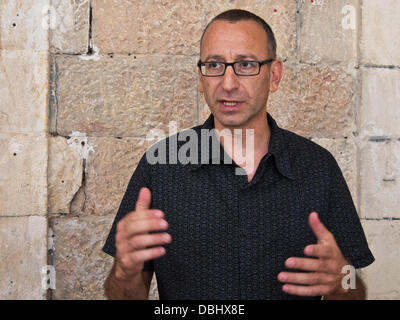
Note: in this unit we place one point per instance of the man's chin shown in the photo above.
(230, 120)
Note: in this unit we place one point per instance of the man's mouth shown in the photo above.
(230, 104)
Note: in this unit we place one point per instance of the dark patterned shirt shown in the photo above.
(231, 237)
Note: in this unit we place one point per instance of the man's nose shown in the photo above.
(230, 80)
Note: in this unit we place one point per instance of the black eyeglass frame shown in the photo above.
(226, 64)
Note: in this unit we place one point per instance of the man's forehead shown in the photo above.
(249, 28)
(239, 38)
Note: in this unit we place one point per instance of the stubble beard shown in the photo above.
(237, 119)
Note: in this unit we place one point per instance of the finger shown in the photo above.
(145, 226)
(309, 278)
(124, 226)
(320, 231)
(147, 240)
(144, 199)
(319, 251)
(306, 264)
(143, 255)
(309, 291)
(145, 214)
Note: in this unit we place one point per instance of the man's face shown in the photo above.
(229, 42)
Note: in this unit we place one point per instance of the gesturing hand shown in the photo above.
(133, 237)
(326, 277)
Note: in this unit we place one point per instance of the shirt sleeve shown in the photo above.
(140, 178)
(343, 221)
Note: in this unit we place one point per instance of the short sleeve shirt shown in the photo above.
(231, 236)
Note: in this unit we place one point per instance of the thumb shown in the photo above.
(320, 231)
(144, 199)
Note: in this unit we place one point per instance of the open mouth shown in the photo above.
(230, 104)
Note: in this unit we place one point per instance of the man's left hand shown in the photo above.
(325, 278)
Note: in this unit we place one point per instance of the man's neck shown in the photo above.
(251, 142)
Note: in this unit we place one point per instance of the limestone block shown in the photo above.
(71, 26)
(328, 30)
(380, 42)
(345, 153)
(147, 26)
(24, 25)
(125, 96)
(280, 15)
(175, 27)
(314, 101)
(23, 254)
(380, 179)
(81, 266)
(380, 111)
(23, 174)
(108, 171)
(382, 277)
(64, 173)
(153, 292)
(24, 89)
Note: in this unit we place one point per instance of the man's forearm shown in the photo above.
(359, 293)
(134, 289)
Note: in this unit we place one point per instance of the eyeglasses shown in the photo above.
(241, 68)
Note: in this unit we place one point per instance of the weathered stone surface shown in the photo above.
(147, 26)
(125, 96)
(71, 26)
(81, 265)
(345, 153)
(24, 91)
(23, 254)
(108, 171)
(64, 173)
(314, 101)
(380, 42)
(380, 179)
(382, 277)
(328, 30)
(153, 292)
(23, 25)
(280, 15)
(175, 27)
(78, 202)
(23, 174)
(380, 112)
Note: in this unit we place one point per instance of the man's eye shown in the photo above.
(247, 64)
(213, 65)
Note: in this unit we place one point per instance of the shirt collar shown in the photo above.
(277, 147)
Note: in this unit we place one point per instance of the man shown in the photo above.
(282, 230)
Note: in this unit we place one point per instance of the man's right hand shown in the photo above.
(133, 237)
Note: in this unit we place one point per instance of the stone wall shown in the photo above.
(83, 81)
(24, 93)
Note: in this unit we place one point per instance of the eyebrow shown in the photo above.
(238, 57)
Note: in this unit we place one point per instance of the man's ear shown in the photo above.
(275, 73)
(201, 90)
